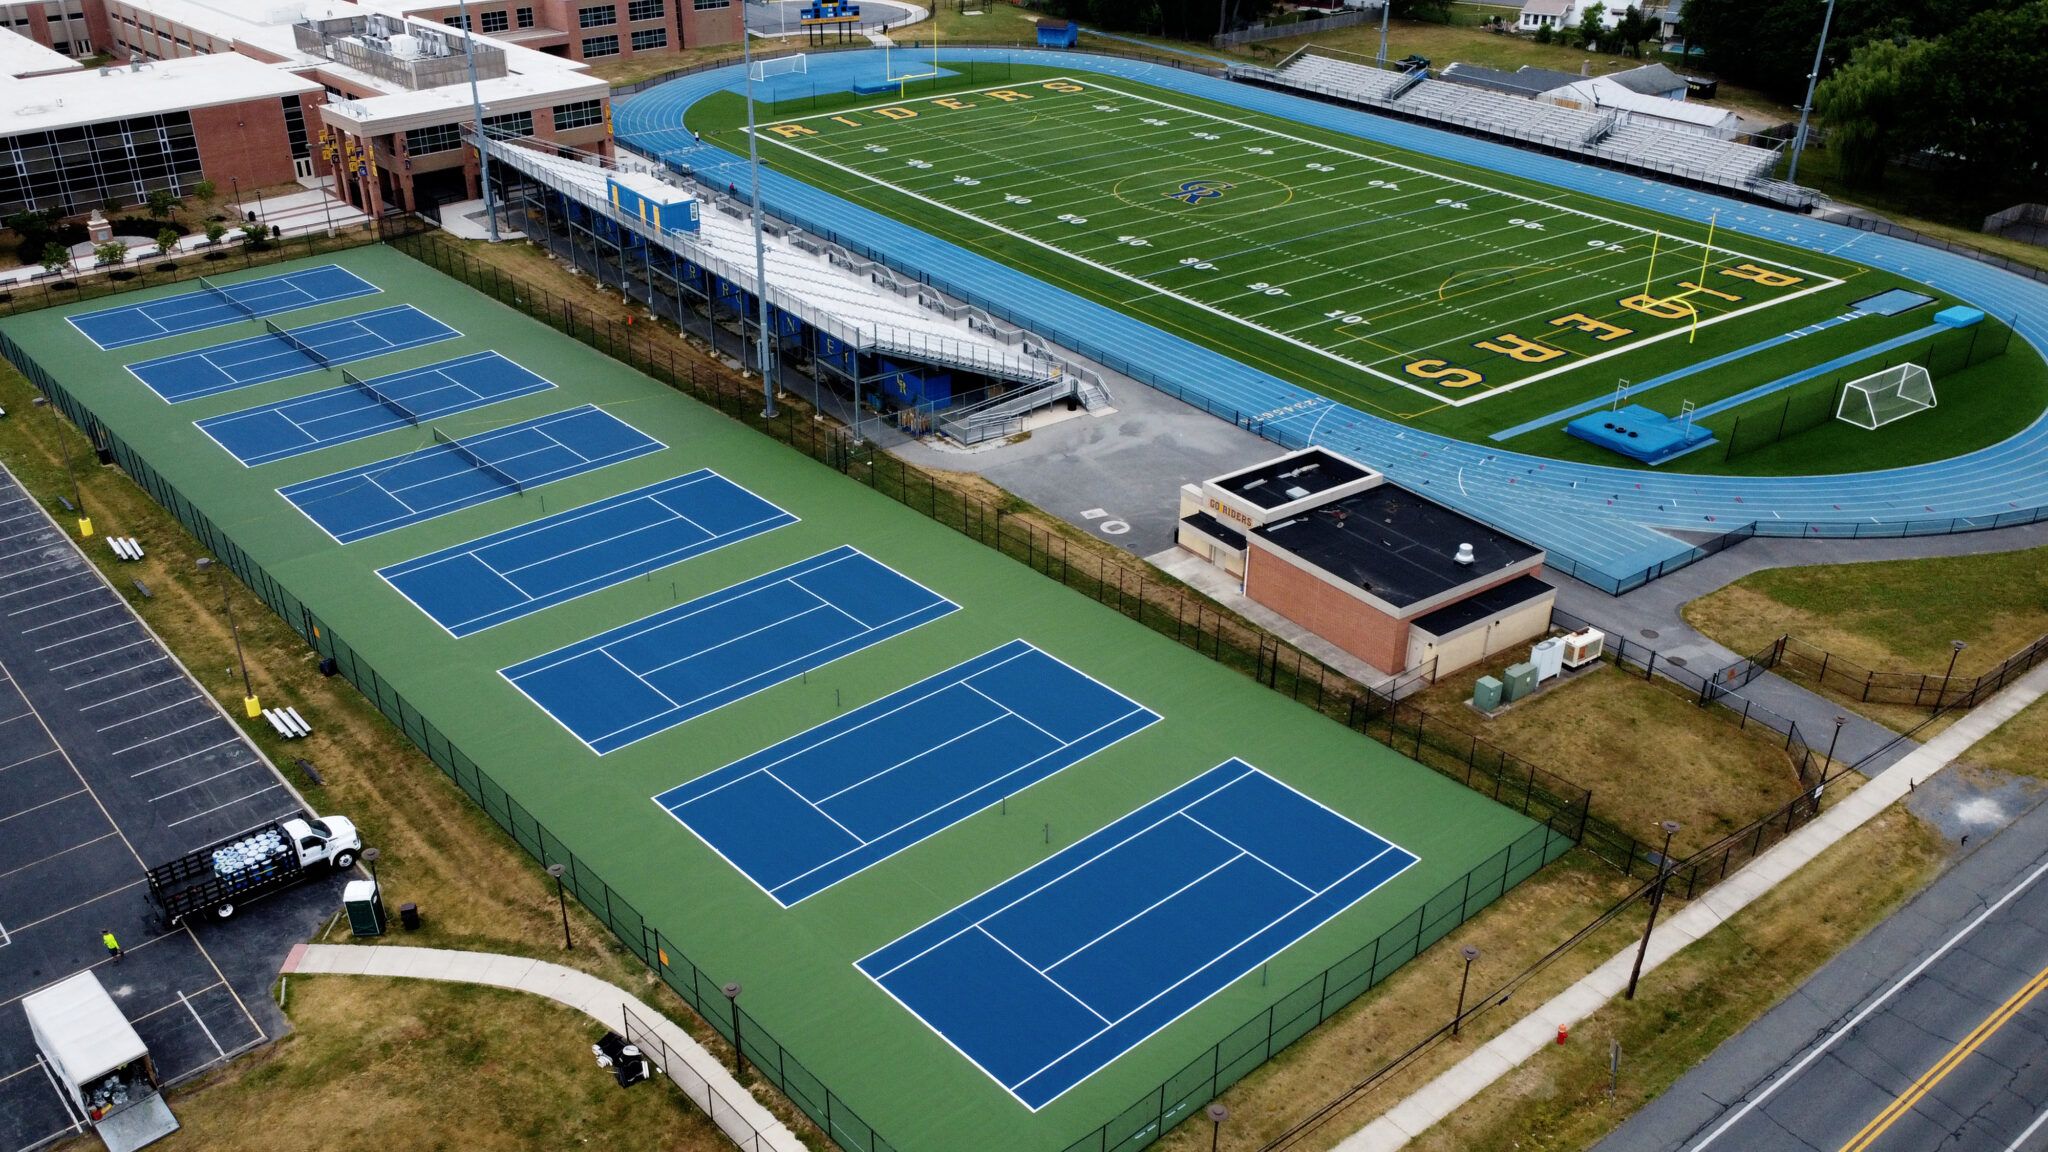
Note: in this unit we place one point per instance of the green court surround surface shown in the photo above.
(797, 964)
(1052, 150)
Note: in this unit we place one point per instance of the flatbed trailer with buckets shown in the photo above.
(230, 872)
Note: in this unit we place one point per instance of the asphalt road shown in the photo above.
(1929, 1034)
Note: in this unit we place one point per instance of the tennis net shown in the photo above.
(464, 451)
(310, 352)
(381, 397)
(231, 302)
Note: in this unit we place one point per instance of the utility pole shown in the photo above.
(760, 244)
(476, 107)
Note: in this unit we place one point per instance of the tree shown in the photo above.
(1592, 26)
(161, 203)
(56, 258)
(1632, 31)
(110, 254)
(1872, 107)
(206, 190)
(1544, 35)
(214, 231)
(167, 242)
(1986, 100)
(255, 235)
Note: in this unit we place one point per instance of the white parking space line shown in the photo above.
(116, 672)
(185, 757)
(166, 735)
(197, 783)
(131, 692)
(97, 655)
(57, 853)
(229, 804)
(44, 804)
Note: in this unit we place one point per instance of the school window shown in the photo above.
(526, 17)
(496, 21)
(650, 38)
(439, 138)
(646, 9)
(509, 125)
(598, 17)
(581, 114)
(600, 46)
(461, 22)
(708, 5)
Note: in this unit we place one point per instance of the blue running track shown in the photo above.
(484, 583)
(1044, 979)
(813, 810)
(1611, 523)
(286, 428)
(199, 309)
(434, 481)
(655, 673)
(261, 359)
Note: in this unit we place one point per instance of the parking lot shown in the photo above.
(113, 758)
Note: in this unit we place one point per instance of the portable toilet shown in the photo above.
(1486, 694)
(1521, 680)
(1548, 657)
(365, 907)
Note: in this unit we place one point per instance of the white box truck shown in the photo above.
(100, 1065)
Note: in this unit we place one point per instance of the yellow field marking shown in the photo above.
(1911, 1097)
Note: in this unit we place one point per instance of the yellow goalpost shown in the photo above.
(903, 80)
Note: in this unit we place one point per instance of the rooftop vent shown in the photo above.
(1297, 493)
(1464, 555)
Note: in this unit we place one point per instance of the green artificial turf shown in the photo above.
(797, 964)
(1406, 286)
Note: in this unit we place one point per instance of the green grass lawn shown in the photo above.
(1462, 301)
(797, 964)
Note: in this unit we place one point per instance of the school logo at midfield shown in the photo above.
(1196, 191)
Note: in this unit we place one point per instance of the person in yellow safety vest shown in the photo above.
(113, 945)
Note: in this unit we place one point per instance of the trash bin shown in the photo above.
(409, 916)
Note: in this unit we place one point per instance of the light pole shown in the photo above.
(370, 857)
(1812, 79)
(250, 703)
(739, 1055)
(237, 186)
(562, 899)
(760, 244)
(70, 470)
(1656, 901)
(1955, 649)
(1832, 741)
(1386, 6)
(1470, 954)
(1217, 1115)
(476, 109)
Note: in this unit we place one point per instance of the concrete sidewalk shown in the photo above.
(707, 1081)
(1536, 1031)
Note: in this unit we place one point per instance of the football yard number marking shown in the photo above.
(1424, 373)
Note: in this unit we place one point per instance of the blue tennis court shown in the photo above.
(1044, 979)
(655, 673)
(200, 309)
(261, 359)
(506, 575)
(442, 478)
(813, 810)
(286, 428)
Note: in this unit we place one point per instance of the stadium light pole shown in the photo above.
(250, 704)
(1635, 974)
(1386, 6)
(760, 244)
(1812, 80)
(476, 108)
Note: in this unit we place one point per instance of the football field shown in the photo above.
(1381, 282)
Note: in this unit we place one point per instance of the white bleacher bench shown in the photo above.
(125, 547)
(288, 723)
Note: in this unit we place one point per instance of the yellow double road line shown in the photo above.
(1911, 1097)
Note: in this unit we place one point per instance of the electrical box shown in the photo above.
(1486, 694)
(1521, 680)
(365, 907)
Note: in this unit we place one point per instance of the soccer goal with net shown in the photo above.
(1882, 397)
(796, 65)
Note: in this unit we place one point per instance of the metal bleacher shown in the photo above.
(862, 304)
(1611, 136)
